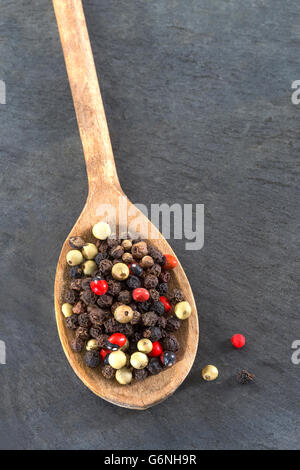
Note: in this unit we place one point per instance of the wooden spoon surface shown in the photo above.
(104, 188)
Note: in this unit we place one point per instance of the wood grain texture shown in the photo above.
(104, 188)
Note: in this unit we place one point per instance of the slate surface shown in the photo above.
(198, 99)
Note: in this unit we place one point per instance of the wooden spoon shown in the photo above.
(104, 187)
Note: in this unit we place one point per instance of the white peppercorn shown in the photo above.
(89, 251)
(74, 257)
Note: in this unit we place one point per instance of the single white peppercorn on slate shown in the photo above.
(210, 373)
(74, 257)
(101, 230)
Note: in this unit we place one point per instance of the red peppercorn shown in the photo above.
(104, 352)
(140, 294)
(156, 349)
(171, 262)
(166, 303)
(118, 339)
(238, 341)
(99, 287)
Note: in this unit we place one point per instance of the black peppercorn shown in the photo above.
(139, 250)
(111, 326)
(153, 333)
(72, 322)
(99, 257)
(150, 281)
(114, 287)
(144, 306)
(173, 324)
(102, 340)
(75, 272)
(102, 246)
(162, 322)
(124, 297)
(149, 319)
(82, 333)
(105, 266)
(115, 305)
(76, 284)
(154, 366)
(108, 372)
(125, 328)
(158, 307)
(133, 282)
(84, 320)
(88, 297)
(117, 252)
(170, 343)
(244, 377)
(79, 308)
(163, 288)
(156, 254)
(86, 283)
(92, 358)
(77, 344)
(140, 374)
(176, 296)
(96, 331)
(154, 294)
(136, 318)
(76, 242)
(98, 316)
(112, 241)
(71, 296)
(155, 270)
(137, 335)
(105, 300)
(165, 276)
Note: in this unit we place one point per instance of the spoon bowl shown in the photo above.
(104, 188)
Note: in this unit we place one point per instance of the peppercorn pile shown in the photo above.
(119, 305)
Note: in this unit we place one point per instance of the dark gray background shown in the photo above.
(198, 100)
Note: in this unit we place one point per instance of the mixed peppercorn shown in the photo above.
(120, 307)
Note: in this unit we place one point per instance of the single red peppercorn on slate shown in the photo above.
(99, 287)
(171, 262)
(156, 349)
(166, 303)
(238, 341)
(140, 294)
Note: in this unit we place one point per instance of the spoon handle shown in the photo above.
(100, 164)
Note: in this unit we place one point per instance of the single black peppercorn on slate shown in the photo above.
(121, 265)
